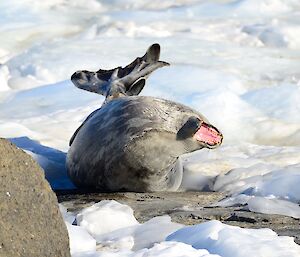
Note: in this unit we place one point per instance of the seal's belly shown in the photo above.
(141, 162)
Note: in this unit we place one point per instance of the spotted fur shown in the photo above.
(131, 143)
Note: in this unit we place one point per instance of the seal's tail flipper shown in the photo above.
(129, 80)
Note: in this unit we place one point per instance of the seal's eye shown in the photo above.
(189, 128)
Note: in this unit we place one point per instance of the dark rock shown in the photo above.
(30, 221)
(235, 217)
(188, 208)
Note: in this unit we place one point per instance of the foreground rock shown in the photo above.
(30, 221)
(187, 208)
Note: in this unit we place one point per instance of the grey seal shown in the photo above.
(132, 143)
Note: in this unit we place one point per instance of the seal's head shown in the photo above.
(200, 131)
(119, 82)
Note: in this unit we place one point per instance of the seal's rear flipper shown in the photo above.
(136, 87)
(129, 80)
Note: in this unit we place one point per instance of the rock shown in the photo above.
(187, 208)
(30, 220)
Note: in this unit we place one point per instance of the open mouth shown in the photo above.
(208, 135)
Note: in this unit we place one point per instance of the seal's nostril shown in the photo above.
(76, 75)
(88, 75)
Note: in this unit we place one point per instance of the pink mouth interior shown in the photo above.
(208, 135)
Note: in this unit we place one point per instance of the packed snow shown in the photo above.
(230, 241)
(236, 61)
(264, 178)
(98, 234)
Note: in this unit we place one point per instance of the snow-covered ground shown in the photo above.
(109, 229)
(237, 62)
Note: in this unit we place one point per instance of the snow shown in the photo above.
(97, 219)
(67, 216)
(141, 236)
(164, 249)
(229, 241)
(274, 206)
(267, 205)
(237, 62)
(80, 239)
(264, 178)
(113, 225)
(160, 237)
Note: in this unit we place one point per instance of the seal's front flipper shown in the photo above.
(189, 128)
(174, 177)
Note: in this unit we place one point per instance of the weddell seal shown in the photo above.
(132, 143)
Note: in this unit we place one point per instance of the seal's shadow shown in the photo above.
(51, 160)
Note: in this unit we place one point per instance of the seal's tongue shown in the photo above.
(208, 135)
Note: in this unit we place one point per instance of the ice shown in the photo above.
(265, 7)
(4, 76)
(41, 112)
(269, 36)
(260, 177)
(230, 241)
(140, 236)
(174, 249)
(164, 249)
(67, 216)
(274, 206)
(235, 61)
(80, 239)
(267, 205)
(278, 103)
(105, 217)
(160, 237)
(113, 225)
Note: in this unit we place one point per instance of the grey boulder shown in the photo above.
(30, 220)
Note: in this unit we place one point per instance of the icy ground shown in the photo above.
(237, 62)
(109, 228)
